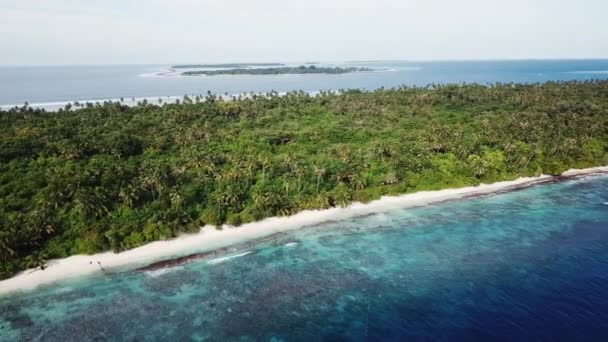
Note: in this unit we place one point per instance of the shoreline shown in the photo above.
(262, 75)
(210, 241)
(55, 106)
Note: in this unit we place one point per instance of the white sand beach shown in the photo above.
(209, 238)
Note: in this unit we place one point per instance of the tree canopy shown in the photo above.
(302, 69)
(113, 177)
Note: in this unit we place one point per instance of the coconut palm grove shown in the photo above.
(97, 177)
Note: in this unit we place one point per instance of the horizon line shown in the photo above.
(326, 61)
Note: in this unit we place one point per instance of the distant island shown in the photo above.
(276, 71)
(225, 65)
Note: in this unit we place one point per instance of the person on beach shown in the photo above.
(103, 269)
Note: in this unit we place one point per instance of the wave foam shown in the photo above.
(162, 271)
(226, 258)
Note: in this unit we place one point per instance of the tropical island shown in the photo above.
(312, 69)
(224, 65)
(114, 177)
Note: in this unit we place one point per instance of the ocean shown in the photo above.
(54, 86)
(530, 264)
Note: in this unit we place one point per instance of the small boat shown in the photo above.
(605, 203)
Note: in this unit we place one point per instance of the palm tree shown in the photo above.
(286, 185)
(6, 244)
(129, 195)
(260, 199)
(319, 172)
(478, 164)
(321, 202)
(229, 197)
(342, 195)
(35, 260)
(154, 181)
(265, 162)
(176, 199)
(218, 179)
(357, 181)
(299, 174)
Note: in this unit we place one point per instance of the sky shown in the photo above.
(64, 32)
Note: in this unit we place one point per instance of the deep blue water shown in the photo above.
(69, 83)
(525, 265)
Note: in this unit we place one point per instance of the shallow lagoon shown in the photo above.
(53, 86)
(529, 264)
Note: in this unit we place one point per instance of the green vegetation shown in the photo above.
(113, 177)
(225, 65)
(276, 71)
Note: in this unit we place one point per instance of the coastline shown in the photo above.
(268, 75)
(211, 242)
(55, 106)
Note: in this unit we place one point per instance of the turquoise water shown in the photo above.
(44, 84)
(525, 265)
